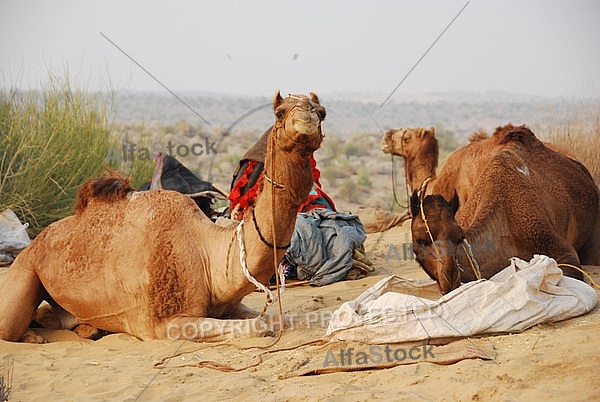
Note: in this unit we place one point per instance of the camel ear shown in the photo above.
(314, 98)
(277, 100)
(432, 130)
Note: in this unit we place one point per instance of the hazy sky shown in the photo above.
(249, 47)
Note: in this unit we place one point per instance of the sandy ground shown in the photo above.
(548, 362)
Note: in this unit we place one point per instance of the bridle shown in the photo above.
(262, 238)
(277, 127)
(405, 173)
(421, 196)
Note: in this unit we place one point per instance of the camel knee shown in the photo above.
(20, 294)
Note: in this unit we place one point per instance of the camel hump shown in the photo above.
(478, 136)
(110, 187)
(510, 133)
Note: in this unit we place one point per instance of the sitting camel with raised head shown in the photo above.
(509, 195)
(151, 264)
(419, 149)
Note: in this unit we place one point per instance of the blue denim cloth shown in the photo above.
(323, 243)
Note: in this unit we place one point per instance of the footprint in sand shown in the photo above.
(312, 304)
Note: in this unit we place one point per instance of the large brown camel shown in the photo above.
(151, 264)
(509, 195)
(419, 148)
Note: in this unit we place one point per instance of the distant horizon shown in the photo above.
(340, 95)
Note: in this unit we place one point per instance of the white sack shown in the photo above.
(516, 298)
(13, 236)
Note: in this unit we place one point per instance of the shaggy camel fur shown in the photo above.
(151, 264)
(509, 195)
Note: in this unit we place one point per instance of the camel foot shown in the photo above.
(86, 331)
(355, 273)
(31, 337)
(47, 318)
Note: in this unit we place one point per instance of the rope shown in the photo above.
(279, 274)
(273, 182)
(472, 260)
(421, 194)
(262, 238)
(260, 286)
(594, 284)
(405, 173)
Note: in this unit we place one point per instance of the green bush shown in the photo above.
(364, 177)
(51, 141)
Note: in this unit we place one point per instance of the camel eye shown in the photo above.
(423, 240)
(280, 113)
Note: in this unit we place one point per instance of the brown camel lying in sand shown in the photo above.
(509, 195)
(151, 264)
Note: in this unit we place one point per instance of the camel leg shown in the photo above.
(244, 312)
(548, 243)
(87, 331)
(204, 329)
(53, 316)
(589, 254)
(568, 256)
(20, 294)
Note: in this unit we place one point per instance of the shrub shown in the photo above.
(51, 141)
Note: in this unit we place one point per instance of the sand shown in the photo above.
(547, 362)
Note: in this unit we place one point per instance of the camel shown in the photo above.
(509, 195)
(152, 265)
(419, 148)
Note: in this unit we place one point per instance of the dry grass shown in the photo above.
(7, 367)
(582, 140)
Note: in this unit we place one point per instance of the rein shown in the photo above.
(262, 238)
(421, 195)
(405, 173)
(274, 183)
(279, 274)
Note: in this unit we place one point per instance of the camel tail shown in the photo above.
(108, 188)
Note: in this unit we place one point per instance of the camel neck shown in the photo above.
(417, 173)
(273, 219)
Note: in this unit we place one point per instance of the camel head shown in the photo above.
(418, 147)
(410, 143)
(300, 117)
(436, 236)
